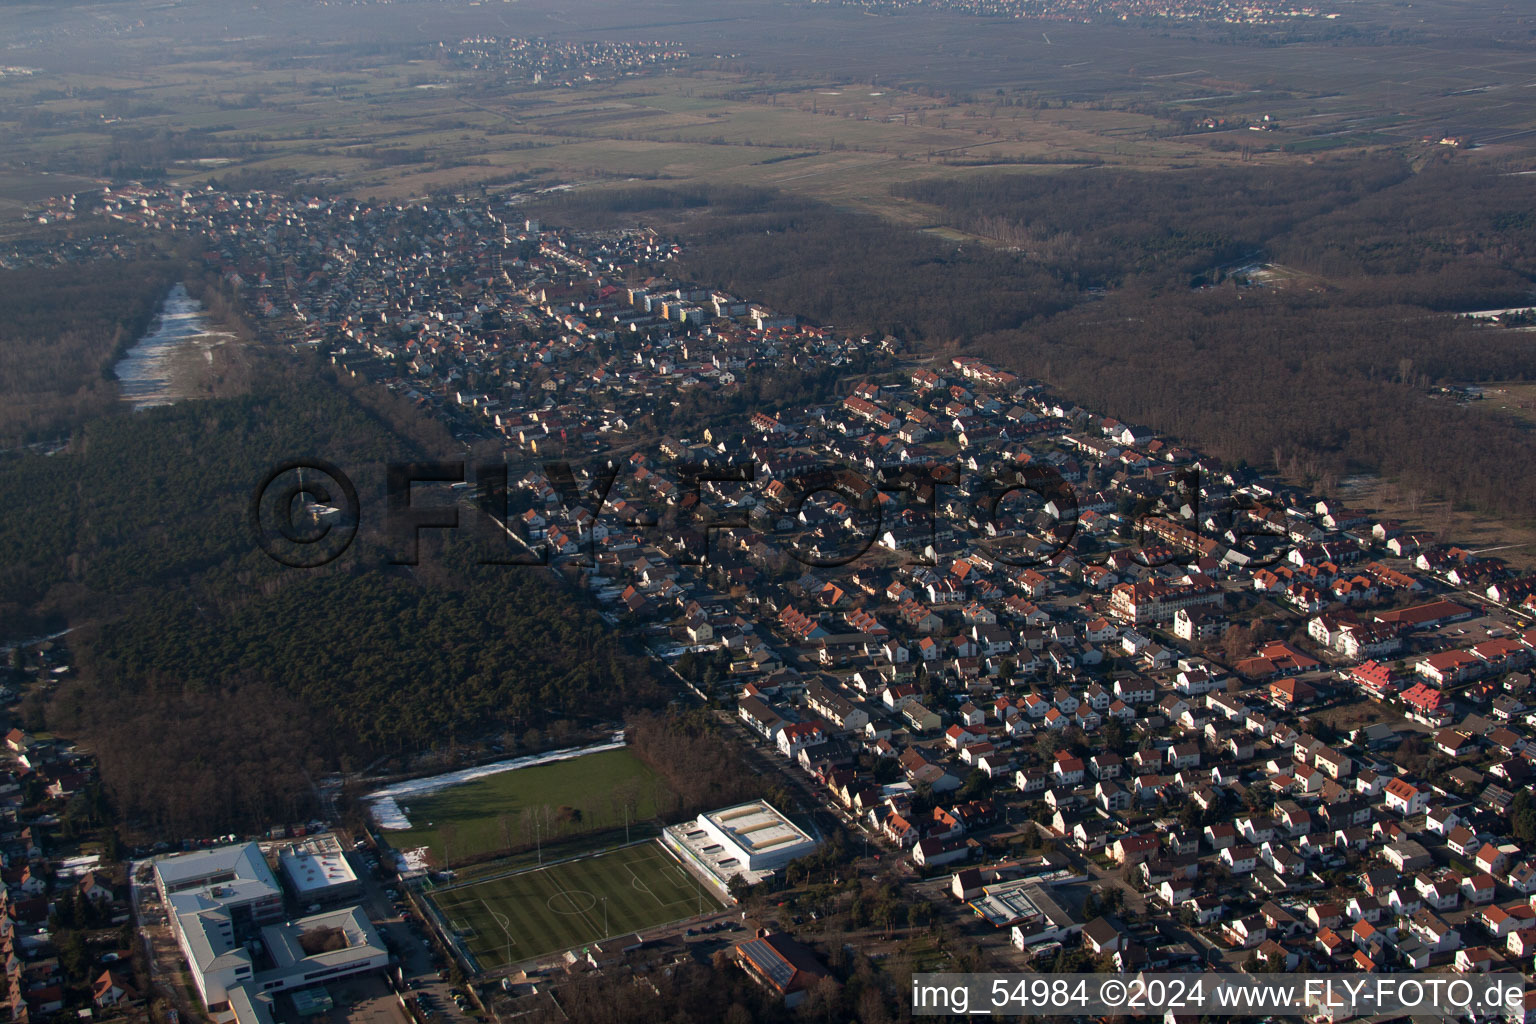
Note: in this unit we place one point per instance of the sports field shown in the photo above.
(512, 809)
(518, 917)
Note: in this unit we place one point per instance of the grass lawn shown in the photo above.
(491, 814)
(532, 913)
(1357, 714)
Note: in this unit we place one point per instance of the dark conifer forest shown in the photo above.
(249, 675)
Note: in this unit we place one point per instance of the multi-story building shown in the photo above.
(221, 904)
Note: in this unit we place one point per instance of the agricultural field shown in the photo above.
(539, 804)
(373, 131)
(517, 917)
(20, 189)
(824, 102)
(401, 121)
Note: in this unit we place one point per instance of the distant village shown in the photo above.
(1018, 643)
(543, 62)
(1224, 12)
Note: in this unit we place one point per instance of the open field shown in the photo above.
(532, 913)
(520, 807)
(1356, 715)
(1513, 540)
(389, 139)
(1514, 398)
(20, 189)
(391, 115)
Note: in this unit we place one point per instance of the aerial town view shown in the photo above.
(778, 510)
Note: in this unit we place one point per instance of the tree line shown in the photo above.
(60, 330)
(702, 763)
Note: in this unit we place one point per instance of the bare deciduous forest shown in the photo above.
(59, 332)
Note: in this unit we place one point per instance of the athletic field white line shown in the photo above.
(667, 866)
(639, 886)
(658, 863)
(561, 890)
(643, 887)
(501, 919)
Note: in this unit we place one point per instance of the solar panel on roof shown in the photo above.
(768, 960)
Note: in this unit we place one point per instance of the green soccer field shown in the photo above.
(532, 913)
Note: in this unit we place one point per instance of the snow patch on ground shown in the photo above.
(384, 804)
(389, 815)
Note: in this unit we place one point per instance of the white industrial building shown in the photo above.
(1028, 910)
(752, 840)
(316, 871)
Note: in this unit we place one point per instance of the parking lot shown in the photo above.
(367, 1000)
(425, 976)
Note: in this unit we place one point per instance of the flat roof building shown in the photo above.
(317, 871)
(752, 840)
(233, 879)
(242, 862)
(322, 946)
(761, 838)
(1025, 907)
(219, 900)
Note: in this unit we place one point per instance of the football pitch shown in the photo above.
(517, 917)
